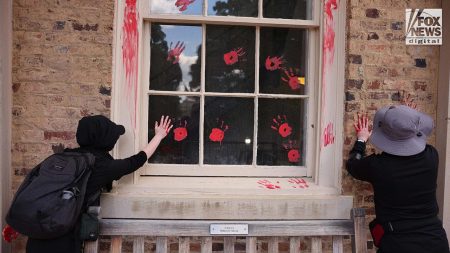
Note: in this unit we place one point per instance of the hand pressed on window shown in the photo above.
(161, 130)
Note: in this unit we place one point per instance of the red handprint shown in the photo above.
(9, 233)
(281, 126)
(217, 134)
(269, 185)
(180, 133)
(293, 153)
(232, 57)
(174, 53)
(274, 63)
(298, 183)
(183, 4)
(293, 80)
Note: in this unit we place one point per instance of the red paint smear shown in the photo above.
(180, 133)
(292, 79)
(268, 185)
(183, 4)
(217, 134)
(328, 48)
(328, 135)
(9, 233)
(130, 44)
(232, 57)
(298, 183)
(174, 53)
(273, 63)
(281, 126)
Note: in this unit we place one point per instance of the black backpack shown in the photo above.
(49, 201)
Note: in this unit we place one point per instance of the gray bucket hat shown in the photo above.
(401, 130)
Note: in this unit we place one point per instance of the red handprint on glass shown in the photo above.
(293, 80)
(183, 4)
(218, 133)
(180, 133)
(293, 153)
(274, 63)
(9, 233)
(232, 57)
(298, 183)
(281, 126)
(267, 184)
(174, 53)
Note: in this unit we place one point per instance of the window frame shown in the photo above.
(310, 99)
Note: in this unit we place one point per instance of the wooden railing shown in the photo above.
(184, 230)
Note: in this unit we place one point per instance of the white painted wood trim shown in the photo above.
(443, 121)
(6, 12)
(240, 21)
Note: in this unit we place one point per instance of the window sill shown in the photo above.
(225, 199)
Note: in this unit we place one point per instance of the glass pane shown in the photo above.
(282, 63)
(244, 8)
(281, 132)
(230, 59)
(287, 9)
(228, 131)
(175, 57)
(187, 7)
(181, 146)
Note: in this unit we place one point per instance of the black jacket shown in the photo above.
(404, 194)
(97, 135)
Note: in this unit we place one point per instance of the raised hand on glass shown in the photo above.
(362, 128)
(161, 130)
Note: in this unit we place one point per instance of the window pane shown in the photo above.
(186, 7)
(230, 59)
(281, 132)
(175, 57)
(228, 131)
(282, 62)
(244, 8)
(181, 146)
(288, 9)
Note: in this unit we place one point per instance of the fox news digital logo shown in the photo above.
(423, 26)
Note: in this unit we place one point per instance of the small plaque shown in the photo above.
(228, 229)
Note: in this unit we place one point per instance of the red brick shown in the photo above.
(63, 135)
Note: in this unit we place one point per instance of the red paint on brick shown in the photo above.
(374, 85)
(63, 135)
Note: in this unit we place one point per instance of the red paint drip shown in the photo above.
(217, 134)
(273, 63)
(180, 133)
(328, 135)
(268, 185)
(183, 4)
(130, 44)
(291, 79)
(282, 126)
(232, 57)
(298, 183)
(293, 152)
(174, 53)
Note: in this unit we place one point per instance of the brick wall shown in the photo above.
(379, 66)
(62, 59)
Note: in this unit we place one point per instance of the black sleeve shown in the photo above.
(121, 167)
(108, 169)
(357, 164)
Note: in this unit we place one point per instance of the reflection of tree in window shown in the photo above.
(247, 8)
(195, 71)
(164, 75)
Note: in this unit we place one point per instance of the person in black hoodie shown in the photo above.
(404, 179)
(98, 135)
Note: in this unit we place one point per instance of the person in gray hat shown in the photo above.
(403, 177)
